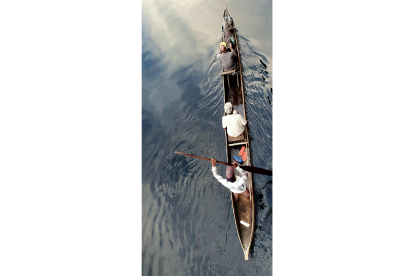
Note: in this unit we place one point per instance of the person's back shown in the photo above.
(227, 57)
(234, 123)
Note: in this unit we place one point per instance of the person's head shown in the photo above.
(230, 174)
(223, 47)
(228, 107)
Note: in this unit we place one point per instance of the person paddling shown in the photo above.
(235, 180)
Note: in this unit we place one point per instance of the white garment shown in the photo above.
(238, 186)
(234, 123)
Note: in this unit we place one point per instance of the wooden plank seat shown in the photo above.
(237, 71)
(229, 72)
(238, 144)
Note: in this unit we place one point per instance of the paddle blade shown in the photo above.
(256, 170)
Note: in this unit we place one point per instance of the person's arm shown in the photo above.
(241, 171)
(233, 51)
(216, 175)
(223, 123)
(243, 121)
(221, 179)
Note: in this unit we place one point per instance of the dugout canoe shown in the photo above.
(243, 209)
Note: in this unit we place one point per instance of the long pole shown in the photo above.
(246, 168)
(190, 155)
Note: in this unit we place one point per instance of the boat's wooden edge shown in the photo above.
(247, 144)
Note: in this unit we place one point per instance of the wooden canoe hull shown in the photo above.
(243, 209)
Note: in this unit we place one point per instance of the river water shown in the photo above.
(187, 220)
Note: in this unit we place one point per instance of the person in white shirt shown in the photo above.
(235, 179)
(234, 123)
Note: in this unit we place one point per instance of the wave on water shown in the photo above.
(188, 223)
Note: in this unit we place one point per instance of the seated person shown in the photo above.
(227, 33)
(227, 57)
(233, 122)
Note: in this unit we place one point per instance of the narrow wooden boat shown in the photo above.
(243, 209)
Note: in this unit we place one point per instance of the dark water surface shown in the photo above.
(187, 218)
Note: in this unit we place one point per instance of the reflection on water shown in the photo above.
(188, 223)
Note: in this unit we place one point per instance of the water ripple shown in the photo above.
(188, 223)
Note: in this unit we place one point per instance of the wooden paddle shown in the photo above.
(246, 168)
